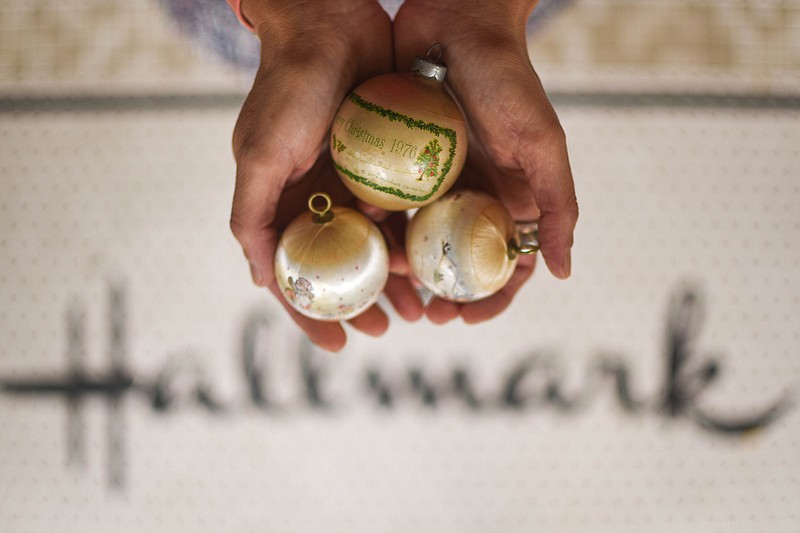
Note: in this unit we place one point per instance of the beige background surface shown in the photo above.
(114, 247)
(686, 45)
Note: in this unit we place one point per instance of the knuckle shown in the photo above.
(244, 231)
(263, 158)
(239, 230)
(556, 132)
(572, 211)
(551, 132)
(543, 134)
(251, 155)
(574, 215)
(246, 237)
(568, 201)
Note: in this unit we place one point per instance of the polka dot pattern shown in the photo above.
(135, 204)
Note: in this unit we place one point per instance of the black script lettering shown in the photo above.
(420, 386)
(618, 371)
(462, 385)
(259, 355)
(428, 391)
(536, 378)
(312, 375)
(254, 336)
(182, 378)
(378, 387)
(684, 384)
(78, 384)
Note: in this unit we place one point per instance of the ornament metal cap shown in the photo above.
(527, 241)
(430, 67)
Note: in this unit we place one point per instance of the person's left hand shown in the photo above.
(517, 148)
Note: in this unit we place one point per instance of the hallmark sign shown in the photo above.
(534, 379)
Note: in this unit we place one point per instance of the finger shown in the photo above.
(540, 152)
(441, 311)
(544, 187)
(394, 231)
(261, 173)
(399, 289)
(514, 192)
(254, 202)
(376, 214)
(398, 263)
(271, 151)
(488, 308)
(404, 298)
(373, 322)
(554, 191)
(327, 335)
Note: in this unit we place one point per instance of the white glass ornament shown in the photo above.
(464, 247)
(399, 140)
(331, 263)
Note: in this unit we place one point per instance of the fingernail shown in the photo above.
(566, 265)
(255, 272)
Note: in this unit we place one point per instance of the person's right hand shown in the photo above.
(312, 54)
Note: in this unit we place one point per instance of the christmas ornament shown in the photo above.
(332, 263)
(399, 140)
(464, 247)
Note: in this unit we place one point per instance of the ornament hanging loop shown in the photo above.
(430, 67)
(324, 215)
(435, 53)
(527, 241)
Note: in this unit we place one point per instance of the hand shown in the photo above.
(517, 147)
(312, 54)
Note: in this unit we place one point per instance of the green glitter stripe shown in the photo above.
(410, 123)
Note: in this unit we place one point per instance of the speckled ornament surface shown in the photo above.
(399, 140)
(331, 263)
(458, 247)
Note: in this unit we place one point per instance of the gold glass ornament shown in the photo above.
(465, 246)
(399, 140)
(331, 263)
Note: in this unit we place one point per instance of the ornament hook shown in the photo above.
(320, 216)
(438, 49)
(430, 67)
(527, 241)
